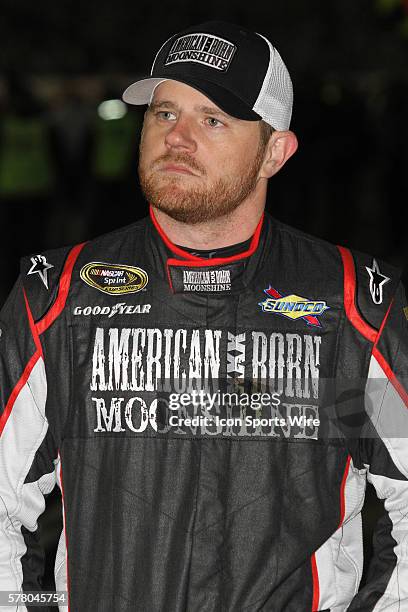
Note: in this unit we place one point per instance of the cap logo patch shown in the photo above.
(203, 49)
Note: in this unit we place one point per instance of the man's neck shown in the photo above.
(222, 232)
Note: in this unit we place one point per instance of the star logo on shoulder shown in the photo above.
(377, 281)
(40, 266)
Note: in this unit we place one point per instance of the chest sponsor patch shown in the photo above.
(202, 382)
(110, 311)
(203, 49)
(293, 307)
(205, 279)
(114, 279)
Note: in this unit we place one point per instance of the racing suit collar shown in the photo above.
(183, 254)
(217, 275)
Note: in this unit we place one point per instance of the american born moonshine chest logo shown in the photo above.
(135, 371)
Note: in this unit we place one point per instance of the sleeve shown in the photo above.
(384, 449)
(28, 454)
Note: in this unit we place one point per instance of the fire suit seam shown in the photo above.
(251, 609)
(24, 471)
(352, 562)
(285, 483)
(334, 562)
(383, 323)
(398, 561)
(148, 503)
(44, 418)
(253, 501)
(376, 424)
(222, 551)
(54, 295)
(71, 375)
(375, 346)
(58, 568)
(14, 514)
(223, 563)
(380, 430)
(133, 494)
(250, 606)
(193, 524)
(12, 545)
(341, 325)
(337, 345)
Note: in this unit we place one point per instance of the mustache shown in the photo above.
(180, 158)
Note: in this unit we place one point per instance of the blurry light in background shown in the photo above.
(387, 6)
(112, 109)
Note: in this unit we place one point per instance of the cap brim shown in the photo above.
(141, 92)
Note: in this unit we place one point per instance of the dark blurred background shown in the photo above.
(69, 146)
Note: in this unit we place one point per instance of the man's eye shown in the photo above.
(166, 115)
(213, 122)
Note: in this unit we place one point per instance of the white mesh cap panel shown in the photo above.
(275, 100)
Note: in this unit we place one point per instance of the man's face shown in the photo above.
(196, 162)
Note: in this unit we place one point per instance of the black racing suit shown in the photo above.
(289, 359)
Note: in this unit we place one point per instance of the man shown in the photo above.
(193, 381)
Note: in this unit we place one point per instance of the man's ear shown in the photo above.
(281, 146)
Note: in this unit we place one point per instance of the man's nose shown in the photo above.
(180, 136)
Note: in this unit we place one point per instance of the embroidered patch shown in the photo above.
(114, 279)
(187, 278)
(40, 266)
(203, 49)
(110, 311)
(293, 306)
(377, 281)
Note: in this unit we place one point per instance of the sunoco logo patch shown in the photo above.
(114, 279)
(293, 306)
(202, 49)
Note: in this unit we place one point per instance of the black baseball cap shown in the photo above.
(239, 70)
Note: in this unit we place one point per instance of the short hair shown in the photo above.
(266, 131)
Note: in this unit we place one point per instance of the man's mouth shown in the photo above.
(177, 168)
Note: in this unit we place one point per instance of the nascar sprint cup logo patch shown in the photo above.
(202, 49)
(114, 279)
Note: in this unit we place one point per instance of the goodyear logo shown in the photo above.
(114, 279)
(293, 306)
